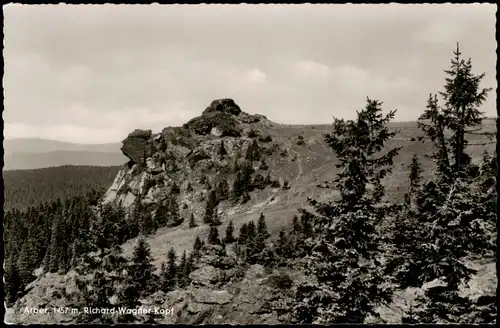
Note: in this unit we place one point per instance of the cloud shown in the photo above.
(256, 76)
(115, 68)
(441, 32)
(309, 69)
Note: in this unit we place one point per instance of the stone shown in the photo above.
(209, 296)
(226, 105)
(153, 167)
(136, 146)
(255, 272)
(215, 132)
(206, 276)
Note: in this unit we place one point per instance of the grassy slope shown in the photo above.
(314, 163)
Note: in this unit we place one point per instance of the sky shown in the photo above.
(94, 73)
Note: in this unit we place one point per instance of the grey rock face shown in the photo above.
(136, 146)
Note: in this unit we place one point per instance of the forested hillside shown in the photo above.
(25, 188)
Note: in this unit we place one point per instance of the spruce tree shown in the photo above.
(213, 236)
(162, 215)
(296, 225)
(173, 207)
(192, 221)
(13, 283)
(222, 189)
(237, 189)
(181, 271)
(242, 238)
(229, 233)
(245, 197)
(175, 189)
(216, 219)
(210, 207)
(345, 240)
(262, 227)
(246, 176)
(168, 278)
(253, 152)
(142, 268)
(281, 244)
(222, 150)
(462, 97)
(251, 231)
(198, 244)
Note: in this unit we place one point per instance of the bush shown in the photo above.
(266, 139)
(300, 140)
(281, 281)
(253, 133)
(263, 165)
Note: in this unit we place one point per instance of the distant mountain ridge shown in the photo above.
(37, 145)
(33, 153)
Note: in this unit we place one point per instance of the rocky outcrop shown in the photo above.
(225, 106)
(183, 155)
(137, 146)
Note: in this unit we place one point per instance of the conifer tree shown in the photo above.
(181, 272)
(253, 152)
(237, 189)
(169, 272)
(222, 189)
(268, 181)
(349, 276)
(173, 208)
(245, 197)
(13, 283)
(210, 207)
(213, 237)
(142, 268)
(222, 150)
(192, 221)
(251, 231)
(242, 238)
(296, 225)
(258, 182)
(229, 233)
(281, 244)
(106, 274)
(262, 227)
(462, 98)
(162, 215)
(175, 189)
(216, 219)
(263, 166)
(415, 176)
(198, 244)
(246, 176)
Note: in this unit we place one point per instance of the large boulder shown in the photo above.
(137, 146)
(223, 105)
(206, 276)
(225, 123)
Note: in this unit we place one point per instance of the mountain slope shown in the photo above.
(35, 145)
(33, 153)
